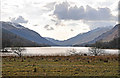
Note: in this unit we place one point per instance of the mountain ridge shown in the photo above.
(88, 37)
(25, 33)
(82, 38)
(109, 35)
(10, 39)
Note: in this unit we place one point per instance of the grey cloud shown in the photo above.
(100, 14)
(47, 27)
(76, 13)
(65, 12)
(53, 20)
(35, 25)
(51, 28)
(57, 22)
(61, 10)
(71, 30)
(19, 19)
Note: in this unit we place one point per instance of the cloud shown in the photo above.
(35, 25)
(61, 10)
(100, 14)
(47, 27)
(57, 22)
(50, 6)
(19, 19)
(73, 24)
(96, 24)
(53, 20)
(71, 30)
(65, 12)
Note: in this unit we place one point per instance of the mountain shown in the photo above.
(25, 33)
(82, 38)
(57, 42)
(108, 36)
(10, 39)
(33, 36)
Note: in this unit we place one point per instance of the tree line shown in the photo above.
(114, 44)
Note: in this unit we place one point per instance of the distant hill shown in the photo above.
(82, 38)
(57, 42)
(25, 33)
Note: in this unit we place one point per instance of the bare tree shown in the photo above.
(18, 50)
(72, 52)
(95, 51)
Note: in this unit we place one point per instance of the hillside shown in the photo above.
(110, 39)
(25, 33)
(109, 35)
(10, 39)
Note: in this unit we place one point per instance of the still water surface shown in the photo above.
(64, 51)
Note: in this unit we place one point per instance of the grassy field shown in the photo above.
(60, 65)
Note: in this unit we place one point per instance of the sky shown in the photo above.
(60, 19)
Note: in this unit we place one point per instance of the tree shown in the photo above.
(96, 50)
(72, 52)
(18, 50)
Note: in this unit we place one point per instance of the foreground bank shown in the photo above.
(60, 65)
